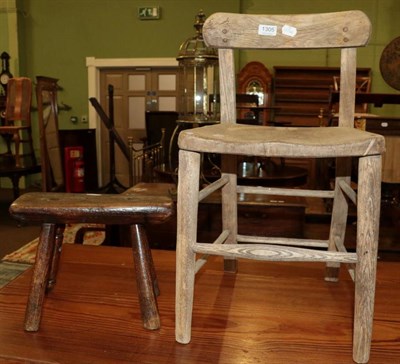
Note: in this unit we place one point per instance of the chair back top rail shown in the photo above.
(345, 30)
(327, 30)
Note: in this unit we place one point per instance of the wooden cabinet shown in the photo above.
(301, 92)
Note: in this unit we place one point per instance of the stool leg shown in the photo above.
(187, 210)
(149, 257)
(144, 278)
(44, 254)
(368, 211)
(58, 241)
(141, 236)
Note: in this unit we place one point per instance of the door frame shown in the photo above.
(94, 65)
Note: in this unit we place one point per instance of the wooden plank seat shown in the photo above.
(54, 210)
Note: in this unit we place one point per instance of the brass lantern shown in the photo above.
(198, 79)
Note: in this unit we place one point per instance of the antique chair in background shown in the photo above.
(16, 129)
(227, 32)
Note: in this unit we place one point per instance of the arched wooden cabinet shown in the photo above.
(255, 79)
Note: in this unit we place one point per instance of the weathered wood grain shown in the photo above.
(230, 32)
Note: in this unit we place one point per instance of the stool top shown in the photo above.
(64, 208)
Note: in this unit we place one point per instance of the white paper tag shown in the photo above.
(270, 30)
(289, 30)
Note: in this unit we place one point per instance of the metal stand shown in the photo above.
(113, 186)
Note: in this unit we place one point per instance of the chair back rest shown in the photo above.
(19, 98)
(345, 30)
(50, 151)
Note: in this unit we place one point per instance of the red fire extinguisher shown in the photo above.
(78, 176)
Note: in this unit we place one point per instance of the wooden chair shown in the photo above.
(227, 32)
(17, 127)
(56, 209)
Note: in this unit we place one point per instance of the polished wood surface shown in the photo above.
(294, 319)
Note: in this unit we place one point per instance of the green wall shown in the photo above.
(56, 36)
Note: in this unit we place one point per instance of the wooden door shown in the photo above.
(135, 91)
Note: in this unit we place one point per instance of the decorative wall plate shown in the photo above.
(390, 63)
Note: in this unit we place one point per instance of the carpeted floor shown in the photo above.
(10, 271)
(15, 263)
(26, 254)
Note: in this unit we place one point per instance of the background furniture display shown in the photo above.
(156, 121)
(301, 92)
(389, 63)
(16, 129)
(145, 162)
(255, 79)
(345, 30)
(53, 178)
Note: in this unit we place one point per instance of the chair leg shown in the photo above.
(59, 237)
(39, 279)
(368, 210)
(187, 210)
(31, 148)
(145, 278)
(16, 139)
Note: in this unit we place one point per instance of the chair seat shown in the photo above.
(315, 142)
(69, 208)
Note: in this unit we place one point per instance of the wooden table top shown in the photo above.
(266, 313)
